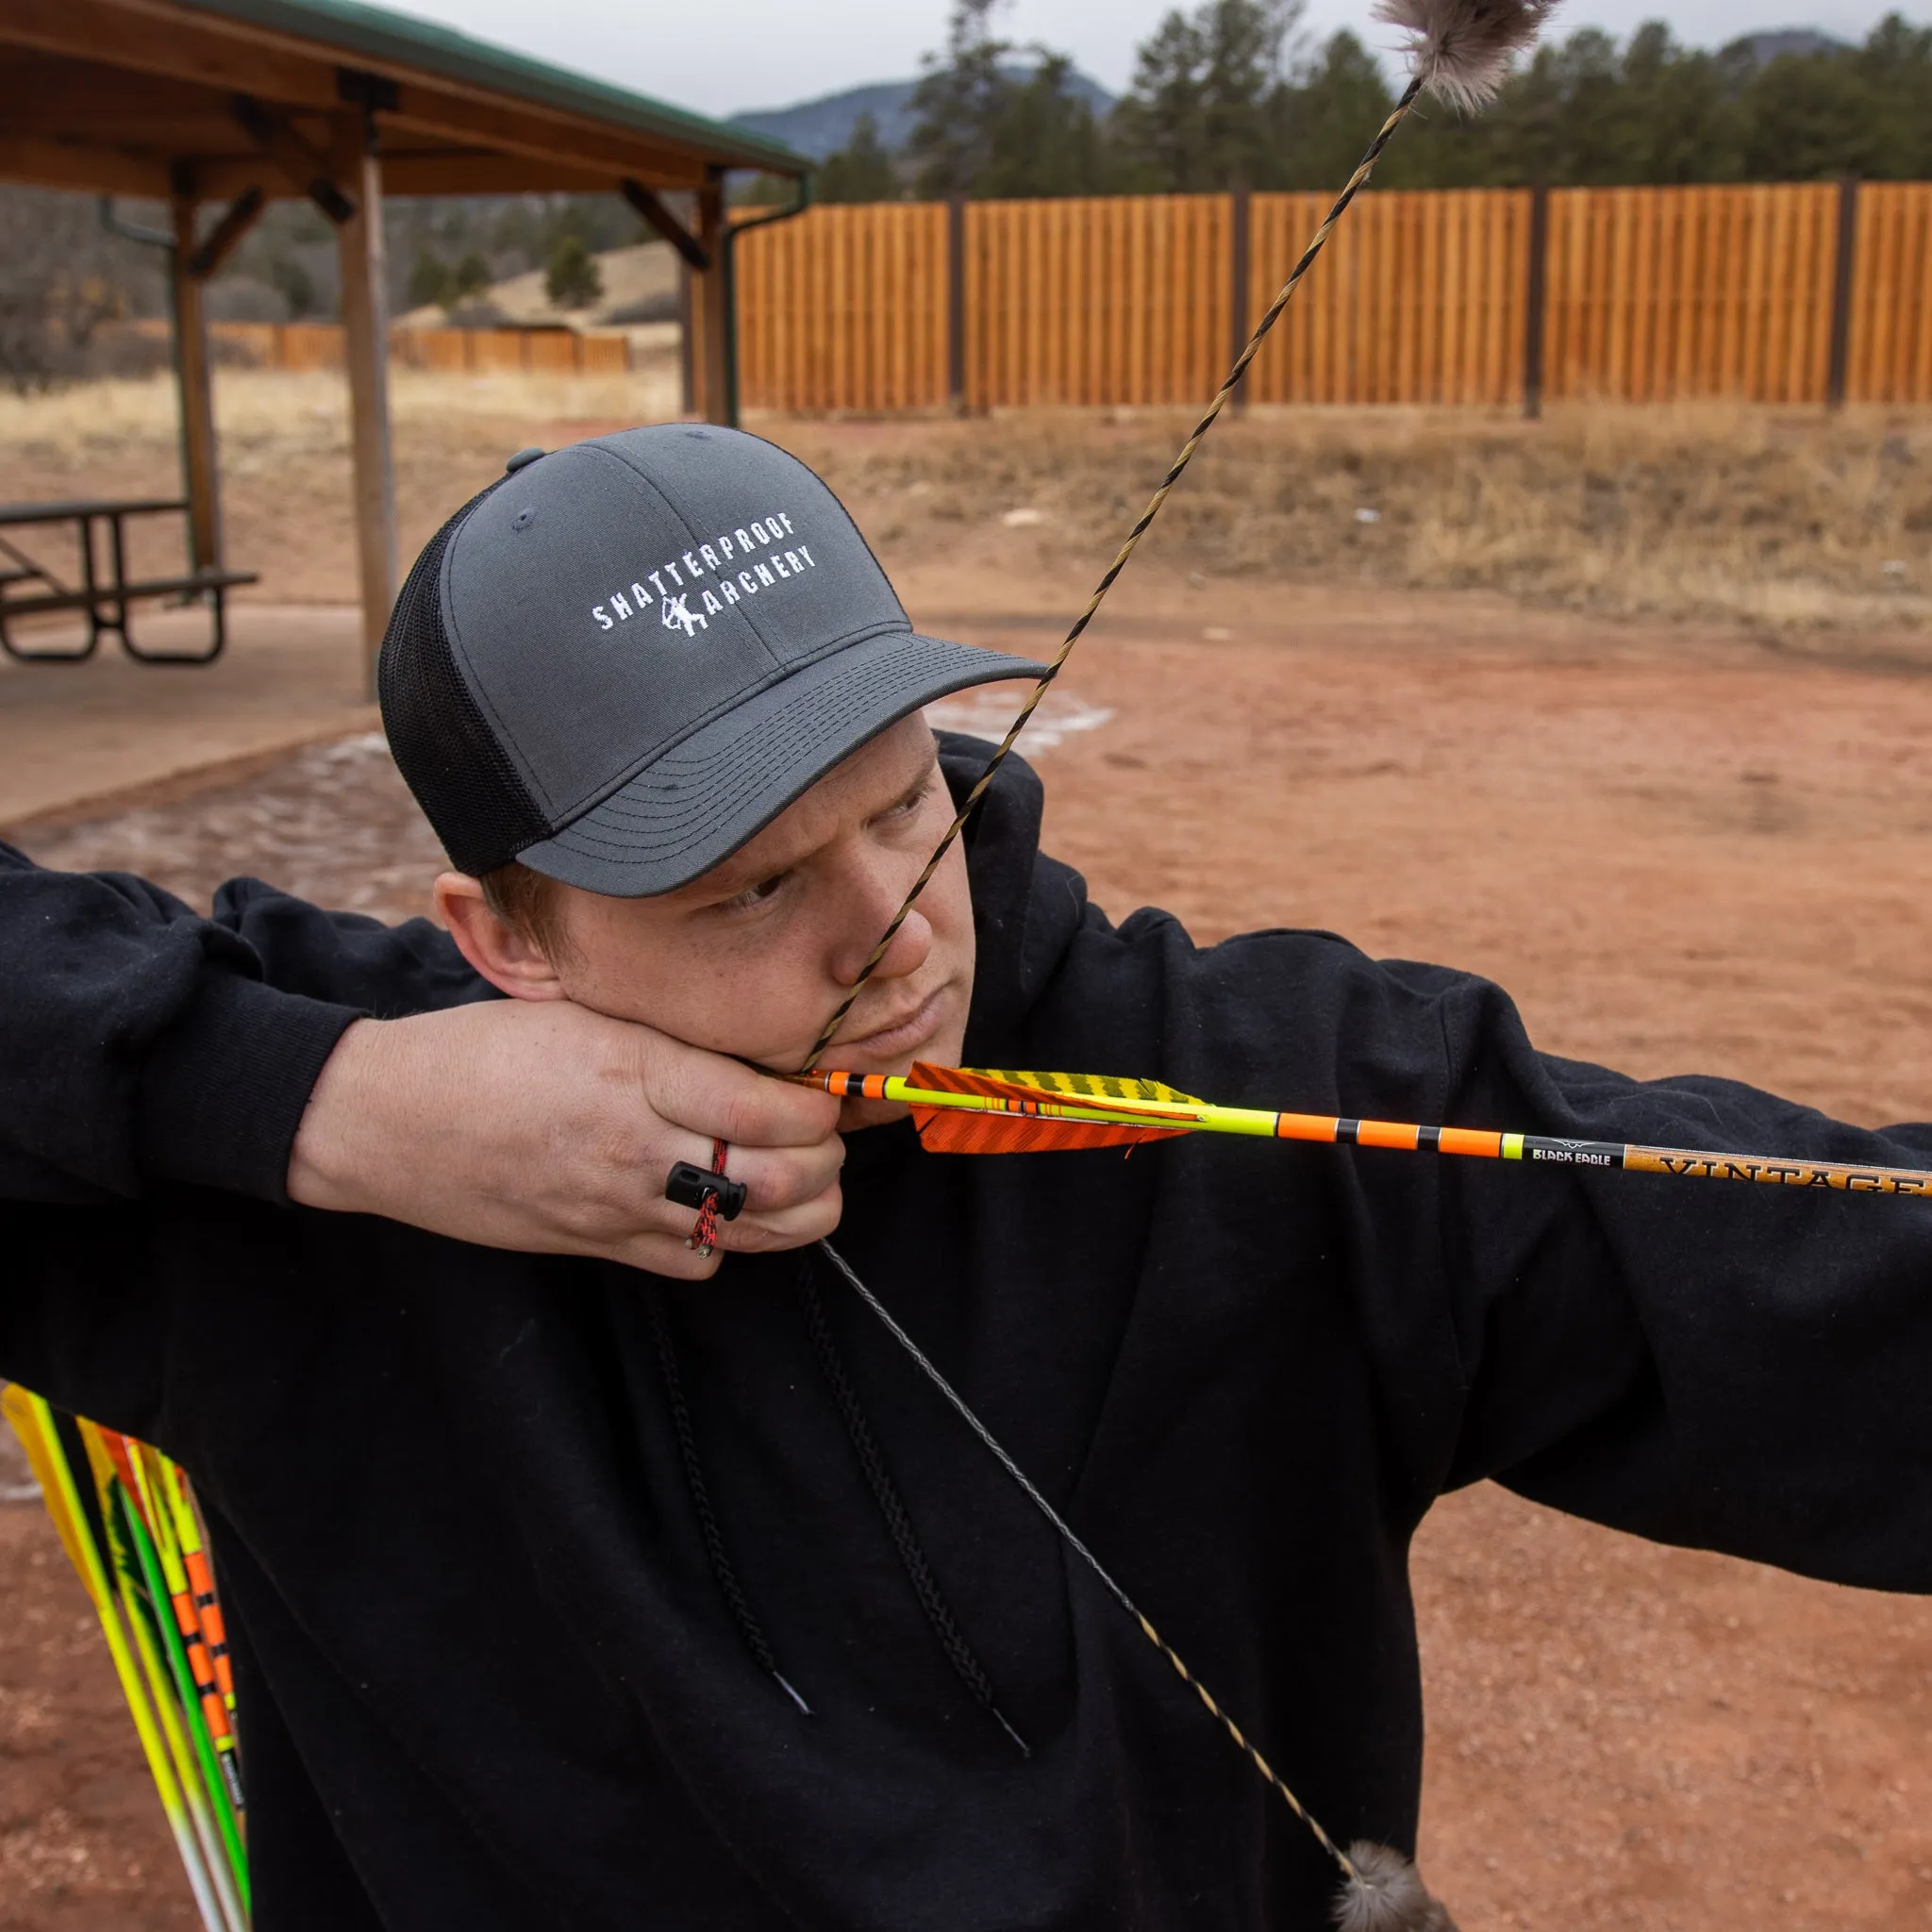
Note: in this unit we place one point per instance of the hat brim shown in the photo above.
(694, 807)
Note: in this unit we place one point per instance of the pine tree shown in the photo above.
(990, 125)
(1319, 120)
(471, 277)
(860, 171)
(430, 281)
(571, 279)
(1201, 113)
(1043, 138)
(958, 102)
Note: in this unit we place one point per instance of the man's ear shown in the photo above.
(507, 959)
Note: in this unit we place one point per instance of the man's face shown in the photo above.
(753, 959)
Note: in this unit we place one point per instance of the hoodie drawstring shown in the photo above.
(960, 1654)
(878, 1479)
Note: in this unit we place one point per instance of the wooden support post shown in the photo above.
(1241, 273)
(687, 339)
(956, 303)
(711, 301)
(1839, 369)
(365, 335)
(1535, 301)
(200, 477)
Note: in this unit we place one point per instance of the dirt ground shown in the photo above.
(1680, 850)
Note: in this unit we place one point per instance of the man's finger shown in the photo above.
(710, 1095)
(777, 1178)
(792, 1227)
(774, 1178)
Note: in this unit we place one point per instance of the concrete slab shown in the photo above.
(80, 736)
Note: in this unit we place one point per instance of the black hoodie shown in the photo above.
(486, 1676)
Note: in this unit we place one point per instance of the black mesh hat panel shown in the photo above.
(470, 791)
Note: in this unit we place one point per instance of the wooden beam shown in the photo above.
(278, 139)
(148, 134)
(365, 328)
(513, 128)
(34, 109)
(222, 240)
(484, 173)
(711, 307)
(186, 45)
(97, 170)
(410, 173)
(200, 477)
(692, 317)
(666, 222)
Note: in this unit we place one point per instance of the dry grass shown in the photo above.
(285, 453)
(276, 415)
(1778, 520)
(256, 403)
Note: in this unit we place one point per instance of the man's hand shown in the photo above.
(540, 1126)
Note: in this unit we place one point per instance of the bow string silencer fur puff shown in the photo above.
(1460, 50)
(1385, 1893)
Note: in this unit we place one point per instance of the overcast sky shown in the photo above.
(731, 54)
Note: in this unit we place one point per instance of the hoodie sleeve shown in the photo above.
(143, 1043)
(1716, 1363)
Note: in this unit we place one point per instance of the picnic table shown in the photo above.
(104, 593)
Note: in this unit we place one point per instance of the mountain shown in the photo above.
(1763, 49)
(822, 127)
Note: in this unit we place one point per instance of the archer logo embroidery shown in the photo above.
(677, 615)
(755, 556)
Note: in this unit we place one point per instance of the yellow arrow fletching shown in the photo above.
(1096, 1088)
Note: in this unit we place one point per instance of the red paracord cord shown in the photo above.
(703, 1237)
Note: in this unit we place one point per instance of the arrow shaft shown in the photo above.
(1626, 1156)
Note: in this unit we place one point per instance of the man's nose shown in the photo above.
(905, 955)
(909, 947)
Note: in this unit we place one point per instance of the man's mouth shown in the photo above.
(897, 1038)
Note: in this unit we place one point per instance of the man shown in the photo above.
(563, 1595)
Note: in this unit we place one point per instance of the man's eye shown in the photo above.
(757, 894)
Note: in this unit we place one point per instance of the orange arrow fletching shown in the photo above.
(970, 1130)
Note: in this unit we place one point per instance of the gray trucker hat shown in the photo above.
(622, 660)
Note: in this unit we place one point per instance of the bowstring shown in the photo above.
(1270, 317)
(1065, 1531)
(1071, 1538)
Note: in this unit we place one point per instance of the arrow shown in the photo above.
(973, 1110)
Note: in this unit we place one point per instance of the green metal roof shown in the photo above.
(374, 33)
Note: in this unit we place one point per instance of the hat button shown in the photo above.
(522, 461)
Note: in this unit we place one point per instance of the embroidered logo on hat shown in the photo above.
(720, 561)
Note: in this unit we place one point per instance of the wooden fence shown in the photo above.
(1799, 293)
(846, 302)
(467, 351)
